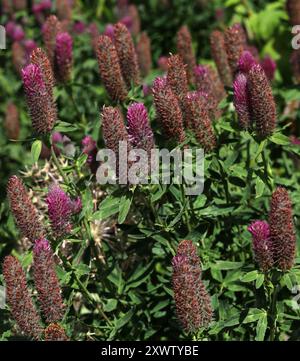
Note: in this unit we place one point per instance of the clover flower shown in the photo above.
(19, 298)
(41, 105)
(185, 51)
(126, 54)
(282, 229)
(110, 70)
(261, 244)
(46, 282)
(23, 210)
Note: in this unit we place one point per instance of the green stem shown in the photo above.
(58, 166)
(85, 292)
(66, 263)
(187, 218)
(273, 314)
(266, 171)
(70, 93)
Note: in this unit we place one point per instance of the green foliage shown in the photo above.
(117, 280)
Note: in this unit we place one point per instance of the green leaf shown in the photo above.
(110, 305)
(36, 150)
(123, 320)
(261, 327)
(124, 207)
(288, 281)
(259, 187)
(259, 280)
(226, 265)
(65, 127)
(280, 139)
(161, 190)
(250, 276)
(82, 269)
(254, 314)
(107, 208)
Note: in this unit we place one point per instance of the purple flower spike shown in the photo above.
(40, 103)
(179, 260)
(109, 31)
(41, 245)
(29, 45)
(159, 83)
(14, 31)
(33, 80)
(60, 210)
(241, 100)
(269, 66)
(79, 27)
(246, 62)
(64, 56)
(139, 130)
(262, 246)
(57, 137)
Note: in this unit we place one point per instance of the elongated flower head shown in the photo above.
(127, 55)
(90, 148)
(185, 50)
(39, 58)
(269, 66)
(246, 62)
(114, 131)
(196, 113)
(109, 31)
(162, 62)
(217, 85)
(188, 249)
(193, 304)
(219, 54)
(20, 4)
(139, 130)
(282, 229)
(64, 57)
(60, 210)
(64, 9)
(12, 122)
(176, 76)
(46, 282)
(23, 210)
(206, 82)
(234, 43)
(19, 299)
(110, 70)
(143, 50)
(168, 110)
(40, 103)
(51, 29)
(55, 332)
(263, 106)
(14, 31)
(241, 100)
(261, 244)
(18, 56)
(133, 14)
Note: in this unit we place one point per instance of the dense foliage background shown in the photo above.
(115, 267)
